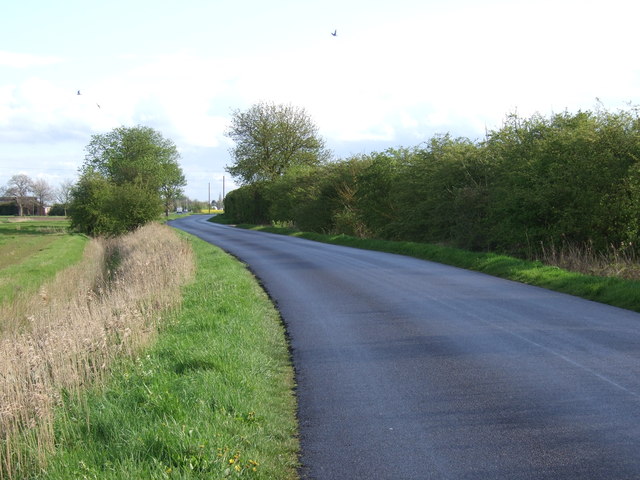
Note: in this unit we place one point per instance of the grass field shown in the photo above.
(34, 250)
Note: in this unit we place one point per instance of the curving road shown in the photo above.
(408, 369)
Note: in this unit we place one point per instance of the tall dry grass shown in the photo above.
(618, 261)
(65, 337)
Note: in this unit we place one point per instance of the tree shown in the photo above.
(129, 176)
(138, 155)
(20, 187)
(269, 139)
(43, 193)
(63, 194)
(88, 207)
(171, 190)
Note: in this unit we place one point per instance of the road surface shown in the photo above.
(408, 369)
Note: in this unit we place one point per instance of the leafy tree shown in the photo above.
(270, 139)
(129, 176)
(171, 190)
(138, 155)
(20, 187)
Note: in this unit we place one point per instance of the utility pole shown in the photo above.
(223, 192)
(209, 198)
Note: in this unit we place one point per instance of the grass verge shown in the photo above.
(212, 398)
(610, 290)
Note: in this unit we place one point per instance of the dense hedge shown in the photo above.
(568, 178)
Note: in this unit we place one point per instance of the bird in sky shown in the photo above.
(79, 92)
(334, 33)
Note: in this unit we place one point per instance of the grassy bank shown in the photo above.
(610, 290)
(33, 251)
(212, 398)
(56, 343)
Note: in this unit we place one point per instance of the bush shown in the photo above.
(99, 207)
(57, 210)
(247, 204)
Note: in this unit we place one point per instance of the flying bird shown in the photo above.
(334, 33)
(79, 92)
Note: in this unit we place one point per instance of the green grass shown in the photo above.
(213, 398)
(34, 251)
(610, 290)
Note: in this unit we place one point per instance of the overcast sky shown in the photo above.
(397, 72)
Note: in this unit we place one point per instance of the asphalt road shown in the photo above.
(408, 369)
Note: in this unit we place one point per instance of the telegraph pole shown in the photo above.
(209, 198)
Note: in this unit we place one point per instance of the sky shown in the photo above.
(396, 74)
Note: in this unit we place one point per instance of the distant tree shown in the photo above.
(63, 194)
(171, 190)
(129, 176)
(43, 193)
(269, 139)
(20, 187)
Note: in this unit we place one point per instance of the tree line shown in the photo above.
(566, 178)
(25, 195)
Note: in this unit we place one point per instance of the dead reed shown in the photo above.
(618, 261)
(65, 337)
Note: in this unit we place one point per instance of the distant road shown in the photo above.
(408, 369)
